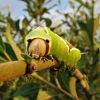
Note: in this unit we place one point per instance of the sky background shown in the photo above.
(16, 7)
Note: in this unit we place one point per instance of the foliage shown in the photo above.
(81, 29)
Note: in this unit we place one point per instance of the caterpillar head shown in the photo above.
(38, 42)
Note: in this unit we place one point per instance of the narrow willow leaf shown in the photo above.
(92, 27)
(11, 41)
(96, 24)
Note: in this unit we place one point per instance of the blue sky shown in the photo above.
(17, 6)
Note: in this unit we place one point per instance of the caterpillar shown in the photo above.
(43, 42)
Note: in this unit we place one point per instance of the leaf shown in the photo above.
(81, 2)
(82, 25)
(3, 50)
(92, 26)
(82, 62)
(2, 44)
(4, 54)
(19, 98)
(3, 59)
(45, 95)
(17, 25)
(26, 89)
(11, 41)
(96, 56)
(96, 24)
(63, 79)
(27, 57)
(48, 22)
(10, 51)
(52, 80)
(86, 37)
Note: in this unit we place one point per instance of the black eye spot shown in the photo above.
(29, 40)
(47, 41)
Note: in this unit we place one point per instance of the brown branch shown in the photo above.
(10, 70)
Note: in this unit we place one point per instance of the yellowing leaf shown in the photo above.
(96, 24)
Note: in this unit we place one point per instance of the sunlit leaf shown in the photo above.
(45, 95)
(19, 98)
(92, 26)
(96, 24)
(11, 41)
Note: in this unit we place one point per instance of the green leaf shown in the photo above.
(82, 25)
(52, 79)
(82, 62)
(81, 2)
(26, 89)
(63, 79)
(3, 59)
(11, 41)
(17, 25)
(90, 27)
(10, 51)
(48, 22)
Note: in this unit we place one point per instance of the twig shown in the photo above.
(53, 86)
(57, 82)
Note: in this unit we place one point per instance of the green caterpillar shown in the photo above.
(43, 42)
